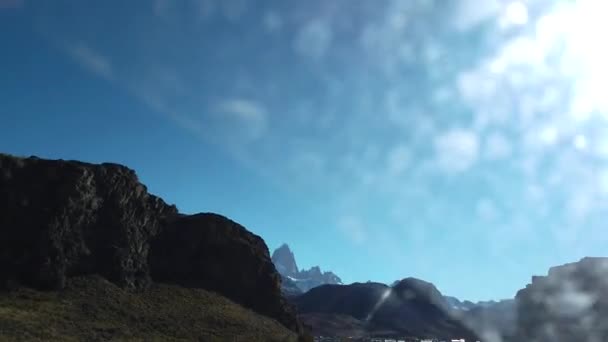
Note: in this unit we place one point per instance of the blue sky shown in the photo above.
(461, 142)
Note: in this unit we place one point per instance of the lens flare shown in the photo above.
(381, 301)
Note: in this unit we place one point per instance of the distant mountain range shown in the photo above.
(295, 281)
(488, 317)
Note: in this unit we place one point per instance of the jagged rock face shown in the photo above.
(285, 261)
(569, 304)
(62, 218)
(313, 272)
(321, 277)
(212, 252)
(308, 279)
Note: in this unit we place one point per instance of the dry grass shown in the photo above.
(92, 309)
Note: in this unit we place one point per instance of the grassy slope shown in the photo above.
(93, 309)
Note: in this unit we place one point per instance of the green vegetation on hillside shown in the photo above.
(93, 309)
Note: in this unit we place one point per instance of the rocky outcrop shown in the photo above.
(212, 252)
(60, 219)
(569, 304)
(285, 262)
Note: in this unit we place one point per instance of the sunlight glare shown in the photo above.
(381, 301)
(516, 13)
(580, 142)
(580, 28)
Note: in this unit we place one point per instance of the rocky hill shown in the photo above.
(64, 219)
(409, 308)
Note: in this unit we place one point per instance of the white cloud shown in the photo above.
(580, 142)
(514, 14)
(353, 228)
(519, 51)
(562, 47)
(91, 59)
(456, 150)
(602, 180)
(579, 205)
(272, 21)
(548, 135)
(313, 39)
(470, 13)
(245, 114)
(474, 85)
(497, 147)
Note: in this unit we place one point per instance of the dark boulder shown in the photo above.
(212, 252)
